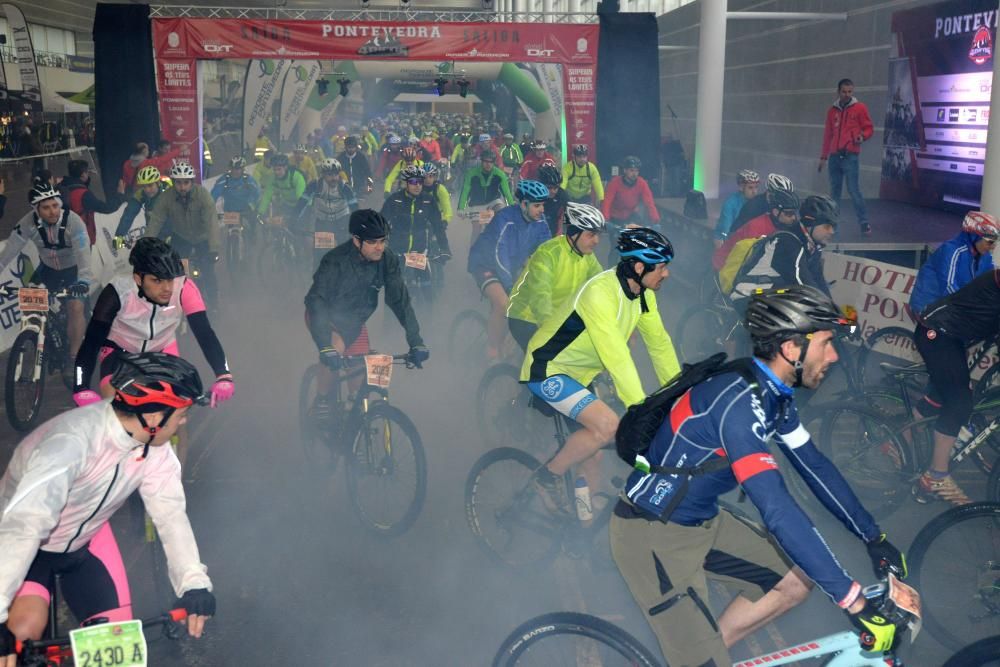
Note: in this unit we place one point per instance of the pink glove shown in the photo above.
(86, 397)
(222, 390)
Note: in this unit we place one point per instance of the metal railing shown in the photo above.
(42, 58)
(371, 14)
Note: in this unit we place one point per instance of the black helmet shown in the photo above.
(153, 382)
(631, 162)
(783, 200)
(155, 257)
(779, 314)
(368, 224)
(279, 160)
(819, 210)
(238, 162)
(580, 149)
(645, 245)
(488, 156)
(549, 175)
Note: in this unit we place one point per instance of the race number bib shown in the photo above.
(109, 645)
(379, 367)
(485, 217)
(906, 597)
(416, 260)
(231, 218)
(324, 240)
(33, 299)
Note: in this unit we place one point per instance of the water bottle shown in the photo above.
(582, 492)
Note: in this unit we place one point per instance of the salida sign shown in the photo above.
(182, 41)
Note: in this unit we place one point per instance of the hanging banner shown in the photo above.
(299, 82)
(261, 85)
(938, 106)
(177, 85)
(30, 87)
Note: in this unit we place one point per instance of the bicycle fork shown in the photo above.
(38, 325)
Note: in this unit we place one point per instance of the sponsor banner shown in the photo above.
(955, 150)
(951, 166)
(965, 115)
(299, 81)
(31, 90)
(580, 83)
(956, 135)
(259, 89)
(177, 90)
(83, 64)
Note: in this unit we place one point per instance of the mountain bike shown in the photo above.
(282, 261)
(237, 243)
(568, 638)
(955, 560)
(386, 467)
(43, 325)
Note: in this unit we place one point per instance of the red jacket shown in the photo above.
(162, 162)
(762, 225)
(529, 168)
(844, 125)
(621, 199)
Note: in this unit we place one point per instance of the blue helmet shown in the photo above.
(483, 138)
(645, 245)
(532, 191)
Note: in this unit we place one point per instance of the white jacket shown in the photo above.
(67, 478)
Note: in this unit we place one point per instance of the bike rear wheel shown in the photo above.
(701, 333)
(467, 339)
(506, 515)
(317, 447)
(22, 392)
(503, 412)
(387, 474)
(955, 564)
(886, 345)
(569, 638)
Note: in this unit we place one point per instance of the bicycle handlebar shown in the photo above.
(33, 647)
(11, 291)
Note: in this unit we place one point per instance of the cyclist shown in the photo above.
(63, 252)
(330, 201)
(281, 193)
(760, 205)
(539, 156)
(555, 271)
(437, 191)
(356, 166)
(555, 205)
(956, 261)
(186, 213)
(588, 334)
(239, 192)
(784, 210)
(624, 194)
(150, 185)
(511, 156)
(410, 158)
(793, 254)
(304, 163)
(581, 180)
(142, 313)
(483, 185)
(75, 189)
(344, 294)
(499, 253)
(68, 477)
(430, 147)
(747, 182)
(390, 156)
(668, 533)
(944, 332)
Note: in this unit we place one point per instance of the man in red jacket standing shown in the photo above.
(848, 125)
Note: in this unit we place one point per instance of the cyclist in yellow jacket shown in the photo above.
(581, 178)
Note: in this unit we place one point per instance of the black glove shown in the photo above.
(877, 632)
(79, 289)
(213, 257)
(199, 602)
(886, 558)
(330, 358)
(418, 355)
(8, 643)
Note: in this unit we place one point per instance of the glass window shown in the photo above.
(38, 37)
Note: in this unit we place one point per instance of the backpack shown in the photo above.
(754, 252)
(641, 421)
(734, 260)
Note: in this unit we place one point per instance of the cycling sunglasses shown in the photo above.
(414, 181)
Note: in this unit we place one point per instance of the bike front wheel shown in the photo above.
(570, 638)
(955, 564)
(387, 474)
(507, 517)
(467, 339)
(25, 382)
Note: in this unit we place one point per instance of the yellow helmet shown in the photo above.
(147, 175)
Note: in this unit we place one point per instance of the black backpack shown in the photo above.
(641, 421)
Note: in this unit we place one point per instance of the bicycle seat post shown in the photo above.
(52, 632)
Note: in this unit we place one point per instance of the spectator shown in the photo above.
(75, 191)
(132, 165)
(848, 125)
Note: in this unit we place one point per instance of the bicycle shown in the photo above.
(565, 638)
(956, 556)
(280, 260)
(386, 468)
(983, 653)
(467, 338)
(43, 323)
(237, 246)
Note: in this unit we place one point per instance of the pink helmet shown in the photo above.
(981, 224)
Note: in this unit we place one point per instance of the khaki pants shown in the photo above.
(666, 566)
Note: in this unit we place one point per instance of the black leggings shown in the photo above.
(948, 389)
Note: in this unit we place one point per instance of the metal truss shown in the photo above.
(396, 15)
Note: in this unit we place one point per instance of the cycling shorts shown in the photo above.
(93, 580)
(486, 278)
(948, 392)
(55, 279)
(360, 344)
(564, 394)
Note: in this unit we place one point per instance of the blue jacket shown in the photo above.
(505, 245)
(237, 195)
(949, 268)
(730, 209)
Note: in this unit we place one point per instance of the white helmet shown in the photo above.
(584, 218)
(779, 183)
(41, 192)
(181, 170)
(329, 166)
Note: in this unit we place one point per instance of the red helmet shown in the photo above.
(981, 224)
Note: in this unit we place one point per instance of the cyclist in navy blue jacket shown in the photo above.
(666, 556)
(956, 261)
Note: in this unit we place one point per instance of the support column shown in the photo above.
(547, 10)
(991, 174)
(711, 78)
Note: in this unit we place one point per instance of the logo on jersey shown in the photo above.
(982, 47)
(931, 334)
(552, 387)
(663, 489)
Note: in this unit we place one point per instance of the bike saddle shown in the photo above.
(908, 369)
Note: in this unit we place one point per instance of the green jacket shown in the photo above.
(553, 274)
(511, 155)
(193, 218)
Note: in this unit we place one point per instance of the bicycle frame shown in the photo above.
(842, 645)
(35, 322)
